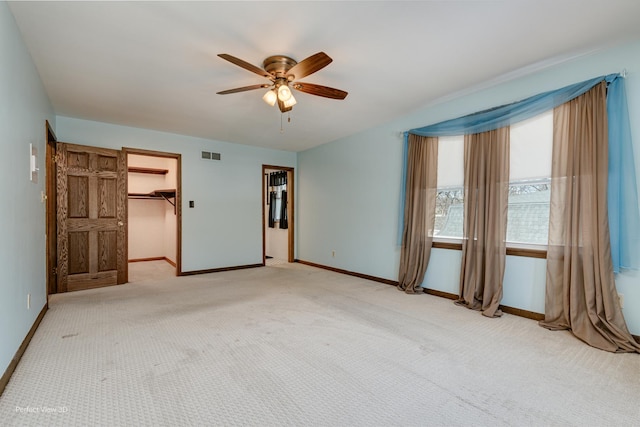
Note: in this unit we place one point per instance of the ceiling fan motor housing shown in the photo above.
(278, 65)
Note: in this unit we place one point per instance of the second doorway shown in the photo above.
(278, 215)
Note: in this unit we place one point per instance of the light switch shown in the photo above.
(33, 163)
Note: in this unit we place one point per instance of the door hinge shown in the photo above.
(54, 270)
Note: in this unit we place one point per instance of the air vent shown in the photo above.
(207, 155)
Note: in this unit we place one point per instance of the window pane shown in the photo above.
(528, 212)
(450, 161)
(531, 143)
(449, 212)
(450, 196)
(530, 172)
(276, 216)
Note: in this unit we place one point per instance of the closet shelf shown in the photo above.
(167, 195)
(148, 170)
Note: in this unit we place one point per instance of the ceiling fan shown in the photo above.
(284, 73)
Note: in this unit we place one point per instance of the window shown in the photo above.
(450, 195)
(531, 143)
(278, 209)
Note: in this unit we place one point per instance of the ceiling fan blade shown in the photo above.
(249, 67)
(309, 66)
(327, 92)
(243, 89)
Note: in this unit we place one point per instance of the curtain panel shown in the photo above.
(419, 212)
(284, 220)
(622, 196)
(580, 291)
(272, 209)
(486, 193)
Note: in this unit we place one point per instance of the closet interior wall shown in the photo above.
(152, 218)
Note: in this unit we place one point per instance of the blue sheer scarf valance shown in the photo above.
(624, 219)
(494, 118)
(622, 192)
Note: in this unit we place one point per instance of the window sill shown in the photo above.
(526, 252)
(512, 251)
(447, 245)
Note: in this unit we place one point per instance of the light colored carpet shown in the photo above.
(295, 345)
(271, 262)
(150, 271)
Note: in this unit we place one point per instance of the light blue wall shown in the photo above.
(349, 189)
(225, 227)
(24, 107)
(348, 199)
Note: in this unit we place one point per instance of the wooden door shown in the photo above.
(52, 215)
(92, 203)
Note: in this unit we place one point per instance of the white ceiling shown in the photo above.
(154, 65)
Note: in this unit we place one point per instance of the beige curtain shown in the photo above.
(419, 212)
(486, 191)
(581, 293)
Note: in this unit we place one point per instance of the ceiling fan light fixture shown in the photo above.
(284, 93)
(270, 97)
(290, 102)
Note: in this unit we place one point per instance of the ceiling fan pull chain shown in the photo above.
(288, 117)
(281, 130)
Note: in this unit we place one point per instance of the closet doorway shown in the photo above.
(277, 214)
(154, 214)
